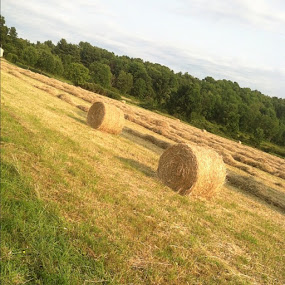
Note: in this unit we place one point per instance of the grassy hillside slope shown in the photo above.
(84, 207)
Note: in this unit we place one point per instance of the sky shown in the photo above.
(238, 40)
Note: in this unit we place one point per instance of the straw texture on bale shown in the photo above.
(192, 170)
(105, 117)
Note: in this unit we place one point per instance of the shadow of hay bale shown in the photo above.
(146, 170)
(77, 119)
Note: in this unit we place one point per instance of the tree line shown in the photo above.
(221, 106)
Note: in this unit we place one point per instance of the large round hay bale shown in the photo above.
(192, 170)
(105, 117)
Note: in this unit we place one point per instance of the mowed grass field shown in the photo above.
(80, 206)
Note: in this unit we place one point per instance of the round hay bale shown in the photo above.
(239, 142)
(105, 117)
(192, 170)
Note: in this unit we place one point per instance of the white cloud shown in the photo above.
(263, 14)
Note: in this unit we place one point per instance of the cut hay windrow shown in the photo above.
(83, 108)
(250, 185)
(160, 130)
(156, 141)
(281, 175)
(15, 73)
(65, 98)
(192, 170)
(46, 89)
(255, 163)
(129, 117)
(161, 123)
(106, 117)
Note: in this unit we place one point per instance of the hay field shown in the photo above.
(81, 206)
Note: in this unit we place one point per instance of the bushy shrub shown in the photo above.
(12, 57)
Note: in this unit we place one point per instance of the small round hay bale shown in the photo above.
(204, 131)
(105, 117)
(239, 142)
(192, 170)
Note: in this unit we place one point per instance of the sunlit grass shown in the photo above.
(81, 206)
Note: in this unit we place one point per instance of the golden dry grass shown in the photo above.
(153, 235)
(243, 157)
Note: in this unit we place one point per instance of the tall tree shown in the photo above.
(100, 73)
(3, 31)
(124, 82)
(77, 73)
(30, 55)
(46, 61)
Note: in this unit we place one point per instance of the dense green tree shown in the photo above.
(163, 81)
(89, 54)
(50, 45)
(13, 33)
(30, 55)
(100, 73)
(257, 137)
(45, 61)
(77, 73)
(124, 82)
(140, 88)
(185, 100)
(58, 66)
(3, 31)
(12, 57)
(67, 52)
(118, 64)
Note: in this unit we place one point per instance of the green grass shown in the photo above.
(39, 246)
